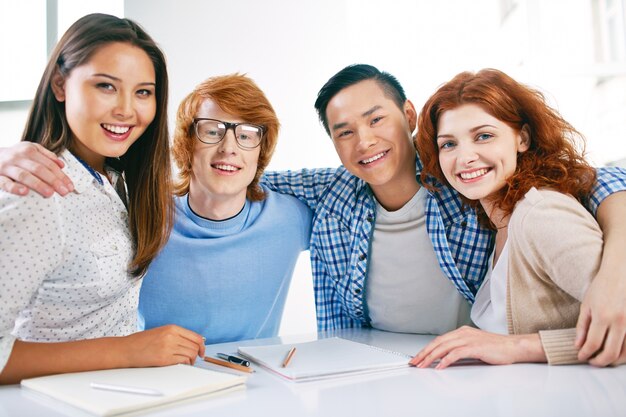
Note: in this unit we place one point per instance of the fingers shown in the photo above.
(177, 342)
(622, 356)
(594, 340)
(582, 325)
(612, 347)
(22, 178)
(425, 352)
(50, 155)
(35, 167)
(49, 170)
(195, 341)
(182, 360)
(442, 351)
(6, 184)
(453, 356)
(191, 349)
(188, 351)
(436, 349)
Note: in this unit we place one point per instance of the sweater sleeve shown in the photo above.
(559, 346)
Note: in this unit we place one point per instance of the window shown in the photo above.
(506, 7)
(29, 31)
(23, 48)
(611, 30)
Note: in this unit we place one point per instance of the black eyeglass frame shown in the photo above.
(228, 127)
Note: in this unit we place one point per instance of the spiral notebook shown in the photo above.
(167, 385)
(325, 358)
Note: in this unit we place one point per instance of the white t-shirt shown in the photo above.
(489, 309)
(406, 291)
(64, 263)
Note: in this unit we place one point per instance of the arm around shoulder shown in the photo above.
(308, 185)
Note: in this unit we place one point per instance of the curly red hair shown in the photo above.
(555, 158)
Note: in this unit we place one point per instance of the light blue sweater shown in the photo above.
(227, 280)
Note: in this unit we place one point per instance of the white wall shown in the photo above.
(292, 47)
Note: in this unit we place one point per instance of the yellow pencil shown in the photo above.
(289, 356)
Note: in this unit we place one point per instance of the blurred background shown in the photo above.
(572, 50)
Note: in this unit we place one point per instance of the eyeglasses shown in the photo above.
(212, 131)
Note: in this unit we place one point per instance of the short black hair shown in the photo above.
(353, 74)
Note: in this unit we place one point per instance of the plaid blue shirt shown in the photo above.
(344, 216)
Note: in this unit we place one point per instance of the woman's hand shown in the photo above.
(470, 343)
(165, 345)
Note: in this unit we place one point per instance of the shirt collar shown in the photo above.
(81, 178)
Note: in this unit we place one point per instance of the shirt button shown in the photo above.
(357, 291)
(358, 313)
(114, 247)
(369, 218)
(362, 257)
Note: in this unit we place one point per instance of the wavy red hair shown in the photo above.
(555, 158)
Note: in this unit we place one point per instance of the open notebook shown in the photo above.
(173, 383)
(325, 358)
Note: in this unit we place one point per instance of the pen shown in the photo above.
(126, 389)
(290, 354)
(228, 364)
(233, 359)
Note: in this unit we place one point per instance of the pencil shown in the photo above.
(228, 364)
(290, 354)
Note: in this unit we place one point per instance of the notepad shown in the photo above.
(175, 383)
(325, 358)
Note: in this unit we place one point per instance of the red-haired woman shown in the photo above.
(517, 162)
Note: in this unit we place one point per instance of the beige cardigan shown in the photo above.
(555, 249)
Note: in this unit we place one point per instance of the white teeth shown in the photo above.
(373, 158)
(119, 130)
(226, 167)
(474, 174)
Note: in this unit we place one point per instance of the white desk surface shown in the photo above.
(528, 390)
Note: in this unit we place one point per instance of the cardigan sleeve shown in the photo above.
(559, 346)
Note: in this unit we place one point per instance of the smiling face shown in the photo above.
(223, 170)
(372, 136)
(477, 152)
(109, 101)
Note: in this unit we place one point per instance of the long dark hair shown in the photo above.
(146, 164)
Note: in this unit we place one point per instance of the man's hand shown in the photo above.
(601, 327)
(29, 166)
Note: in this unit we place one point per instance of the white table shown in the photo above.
(528, 390)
